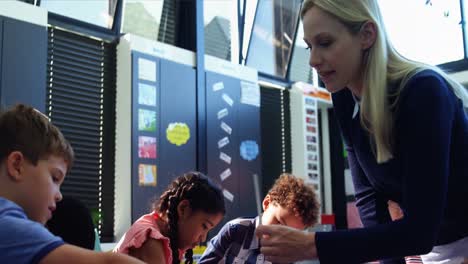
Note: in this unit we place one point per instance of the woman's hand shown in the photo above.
(282, 244)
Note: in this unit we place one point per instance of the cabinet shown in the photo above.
(23, 53)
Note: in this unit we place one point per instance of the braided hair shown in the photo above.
(200, 192)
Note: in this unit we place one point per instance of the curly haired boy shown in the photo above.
(289, 202)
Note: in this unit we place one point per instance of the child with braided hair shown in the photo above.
(190, 207)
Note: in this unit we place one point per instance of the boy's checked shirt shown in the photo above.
(236, 243)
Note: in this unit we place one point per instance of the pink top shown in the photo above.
(140, 231)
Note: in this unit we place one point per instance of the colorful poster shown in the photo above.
(146, 147)
(146, 120)
(146, 94)
(178, 133)
(249, 150)
(147, 175)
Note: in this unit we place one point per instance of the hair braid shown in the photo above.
(173, 218)
(168, 205)
(189, 256)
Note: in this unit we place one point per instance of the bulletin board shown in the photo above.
(233, 145)
(163, 127)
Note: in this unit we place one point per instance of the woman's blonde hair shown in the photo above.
(384, 66)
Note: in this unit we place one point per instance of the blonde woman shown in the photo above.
(406, 130)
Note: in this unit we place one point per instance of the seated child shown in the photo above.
(190, 207)
(289, 202)
(34, 159)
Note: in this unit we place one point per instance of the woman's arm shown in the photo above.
(372, 211)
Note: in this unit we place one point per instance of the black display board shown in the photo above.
(163, 127)
(233, 141)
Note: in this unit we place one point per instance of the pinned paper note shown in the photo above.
(226, 128)
(223, 142)
(224, 157)
(222, 113)
(228, 99)
(250, 93)
(225, 174)
(218, 86)
(178, 133)
(228, 195)
(249, 150)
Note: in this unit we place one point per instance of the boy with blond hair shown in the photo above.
(34, 159)
(289, 202)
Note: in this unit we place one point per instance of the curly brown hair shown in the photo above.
(291, 192)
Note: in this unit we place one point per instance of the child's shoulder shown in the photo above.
(143, 229)
(13, 219)
(16, 228)
(239, 225)
(237, 229)
(12, 216)
(9, 209)
(242, 221)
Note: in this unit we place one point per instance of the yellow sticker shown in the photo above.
(178, 133)
(198, 250)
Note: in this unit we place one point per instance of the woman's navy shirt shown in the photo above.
(428, 176)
